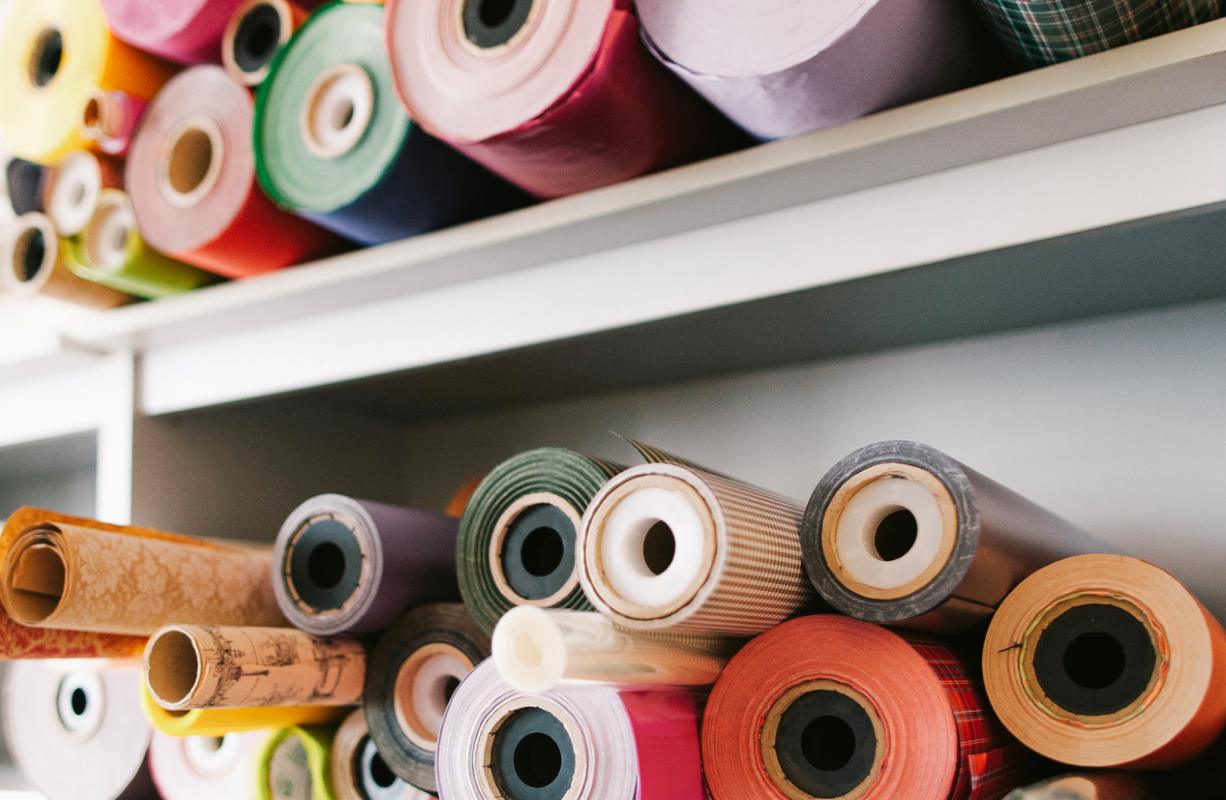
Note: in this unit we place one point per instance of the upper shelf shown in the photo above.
(1084, 188)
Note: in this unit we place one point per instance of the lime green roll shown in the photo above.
(111, 252)
(517, 541)
(294, 765)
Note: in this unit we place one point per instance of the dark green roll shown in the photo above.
(334, 144)
(517, 541)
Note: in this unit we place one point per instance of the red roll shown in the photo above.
(554, 95)
(191, 175)
(826, 706)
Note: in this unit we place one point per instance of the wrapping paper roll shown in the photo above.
(24, 183)
(109, 120)
(31, 264)
(826, 706)
(900, 533)
(73, 188)
(111, 252)
(85, 576)
(205, 767)
(556, 96)
(256, 32)
(220, 721)
(359, 772)
(536, 650)
(191, 174)
(295, 765)
(185, 31)
(1041, 32)
(779, 68)
(593, 743)
(53, 55)
(1103, 660)
(414, 669)
(517, 543)
(342, 565)
(667, 545)
(333, 144)
(76, 731)
(1090, 786)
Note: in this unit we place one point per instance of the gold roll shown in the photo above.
(197, 666)
(220, 721)
(31, 264)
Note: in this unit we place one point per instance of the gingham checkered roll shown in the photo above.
(1042, 32)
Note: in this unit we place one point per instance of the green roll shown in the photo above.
(294, 764)
(517, 542)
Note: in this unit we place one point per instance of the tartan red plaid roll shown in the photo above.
(1042, 32)
(812, 707)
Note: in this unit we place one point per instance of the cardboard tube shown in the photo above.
(220, 721)
(73, 188)
(205, 767)
(295, 765)
(109, 120)
(31, 263)
(255, 34)
(359, 772)
(1107, 661)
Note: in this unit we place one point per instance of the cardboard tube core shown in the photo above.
(532, 754)
(532, 550)
(173, 667)
(30, 254)
(106, 237)
(192, 162)
(36, 581)
(256, 39)
(337, 110)
(424, 684)
(46, 57)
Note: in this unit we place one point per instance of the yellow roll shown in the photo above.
(220, 721)
(53, 55)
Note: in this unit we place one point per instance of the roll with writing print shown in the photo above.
(215, 722)
(359, 772)
(32, 263)
(205, 767)
(900, 533)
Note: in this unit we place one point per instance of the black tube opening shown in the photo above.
(825, 743)
(31, 252)
(325, 564)
(895, 535)
(47, 57)
(538, 552)
(542, 551)
(659, 547)
(375, 778)
(491, 23)
(532, 756)
(257, 37)
(78, 701)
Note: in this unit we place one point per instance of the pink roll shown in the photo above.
(206, 767)
(186, 31)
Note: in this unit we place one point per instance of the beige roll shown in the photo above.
(1090, 786)
(197, 666)
(30, 264)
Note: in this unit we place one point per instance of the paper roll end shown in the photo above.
(529, 650)
(172, 667)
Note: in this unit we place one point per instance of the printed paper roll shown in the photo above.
(76, 731)
(779, 68)
(53, 55)
(30, 264)
(593, 743)
(825, 706)
(1090, 786)
(342, 565)
(110, 119)
(191, 174)
(1042, 32)
(205, 767)
(670, 546)
(414, 670)
(23, 185)
(73, 187)
(294, 765)
(61, 574)
(1104, 661)
(359, 772)
(186, 31)
(536, 650)
(111, 252)
(333, 144)
(900, 533)
(517, 543)
(220, 721)
(556, 96)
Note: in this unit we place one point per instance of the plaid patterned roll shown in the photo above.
(1042, 32)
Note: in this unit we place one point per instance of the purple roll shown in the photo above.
(779, 68)
(342, 565)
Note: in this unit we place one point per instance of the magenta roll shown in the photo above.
(186, 31)
(206, 767)
(342, 565)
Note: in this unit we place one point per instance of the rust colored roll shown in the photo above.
(1107, 661)
(78, 575)
(826, 706)
(191, 175)
(256, 32)
(1091, 786)
(31, 264)
(901, 534)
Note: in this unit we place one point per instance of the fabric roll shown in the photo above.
(214, 722)
(110, 119)
(191, 174)
(198, 666)
(359, 772)
(1090, 786)
(901, 534)
(594, 743)
(24, 183)
(31, 263)
(558, 97)
(1042, 32)
(826, 706)
(183, 31)
(53, 55)
(1107, 661)
(295, 765)
(74, 186)
(76, 731)
(537, 649)
(334, 145)
(517, 541)
(779, 68)
(62, 573)
(414, 669)
(205, 767)
(111, 252)
(342, 565)
(256, 32)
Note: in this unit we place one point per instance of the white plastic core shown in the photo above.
(529, 649)
(337, 110)
(191, 162)
(857, 533)
(211, 755)
(74, 193)
(80, 703)
(108, 233)
(624, 561)
(423, 688)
